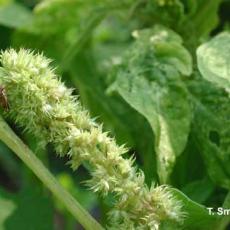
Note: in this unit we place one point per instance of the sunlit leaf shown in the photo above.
(150, 81)
(213, 60)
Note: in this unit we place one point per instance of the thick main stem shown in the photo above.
(27, 156)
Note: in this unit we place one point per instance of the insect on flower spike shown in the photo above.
(3, 99)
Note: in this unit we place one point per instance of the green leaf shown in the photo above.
(213, 60)
(53, 17)
(15, 15)
(197, 216)
(169, 13)
(200, 24)
(200, 190)
(7, 207)
(211, 128)
(150, 81)
(30, 209)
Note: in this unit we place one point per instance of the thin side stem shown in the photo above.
(29, 158)
(97, 16)
(76, 47)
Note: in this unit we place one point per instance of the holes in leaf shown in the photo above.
(214, 137)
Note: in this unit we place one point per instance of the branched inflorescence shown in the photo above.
(42, 105)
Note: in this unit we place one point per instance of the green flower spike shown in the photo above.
(42, 105)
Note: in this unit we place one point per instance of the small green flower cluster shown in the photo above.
(42, 105)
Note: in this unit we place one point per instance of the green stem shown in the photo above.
(76, 47)
(29, 158)
(96, 17)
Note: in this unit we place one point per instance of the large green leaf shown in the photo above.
(150, 81)
(211, 128)
(213, 60)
